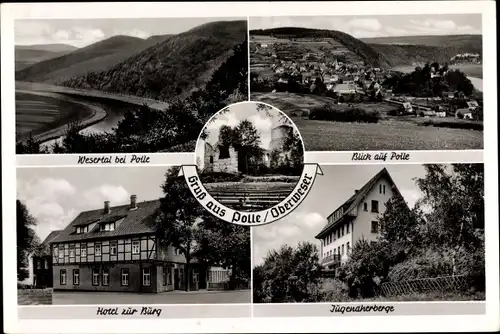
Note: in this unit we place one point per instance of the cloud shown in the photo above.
(441, 27)
(366, 24)
(134, 33)
(47, 189)
(44, 198)
(115, 194)
(294, 228)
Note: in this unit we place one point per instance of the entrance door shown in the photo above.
(176, 279)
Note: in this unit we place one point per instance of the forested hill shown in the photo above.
(95, 57)
(172, 67)
(384, 52)
(361, 49)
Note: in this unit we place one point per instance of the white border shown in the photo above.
(490, 321)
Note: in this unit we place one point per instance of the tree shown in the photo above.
(454, 201)
(27, 241)
(225, 244)
(247, 143)
(178, 218)
(288, 275)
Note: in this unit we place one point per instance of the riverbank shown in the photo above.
(55, 129)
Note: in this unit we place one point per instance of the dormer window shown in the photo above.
(82, 229)
(107, 227)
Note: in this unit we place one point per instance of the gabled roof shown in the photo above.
(355, 199)
(44, 249)
(138, 221)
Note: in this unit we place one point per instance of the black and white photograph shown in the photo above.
(102, 235)
(134, 85)
(395, 233)
(250, 156)
(386, 82)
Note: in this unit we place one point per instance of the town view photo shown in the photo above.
(378, 233)
(124, 85)
(397, 82)
(250, 156)
(115, 236)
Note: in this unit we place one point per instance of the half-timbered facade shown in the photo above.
(355, 219)
(116, 249)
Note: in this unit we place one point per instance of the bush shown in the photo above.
(334, 290)
(329, 113)
(454, 125)
(305, 113)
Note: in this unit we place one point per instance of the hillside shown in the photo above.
(469, 43)
(26, 57)
(95, 57)
(374, 53)
(48, 47)
(170, 68)
(361, 49)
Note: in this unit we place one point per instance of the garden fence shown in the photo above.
(422, 285)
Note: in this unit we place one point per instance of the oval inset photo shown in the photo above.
(250, 156)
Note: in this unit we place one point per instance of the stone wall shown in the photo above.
(229, 165)
(208, 159)
(34, 296)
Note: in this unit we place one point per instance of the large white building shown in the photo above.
(355, 219)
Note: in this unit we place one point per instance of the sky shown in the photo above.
(328, 192)
(379, 25)
(55, 196)
(83, 32)
(264, 123)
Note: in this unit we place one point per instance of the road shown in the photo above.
(42, 87)
(173, 297)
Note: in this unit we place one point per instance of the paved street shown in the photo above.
(174, 297)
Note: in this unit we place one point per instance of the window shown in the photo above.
(342, 249)
(380, 188)
(165, 271)
(177, 252)
(76, 277)
(46, 264)
(38, 264)
(374, 227)
(97, 249)
(135, 247)
(83, 250)
(61, 253)
(343, 230)
(71, 250)
(105, 276)
(62, 276)
(374, 206)
(113, 248)
(55, 251)
(338, 250)
(348, 248)
(365, 206)
(107, 227)
(146, 277)
(125, 273)
(82, 229)
(211, 159)
(338, 233)
(95, 276)
(347, 228)
(223, 152)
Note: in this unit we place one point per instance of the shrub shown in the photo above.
(305, 113)
(330, 113)
(454, 125)
(334, 290)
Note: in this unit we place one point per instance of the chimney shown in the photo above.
(133, 202)
(356, 191)
(106, 207)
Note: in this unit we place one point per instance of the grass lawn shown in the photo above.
(390, 133)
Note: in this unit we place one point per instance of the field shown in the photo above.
(43, 115)
(390, 133)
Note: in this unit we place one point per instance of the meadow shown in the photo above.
(390, 133)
